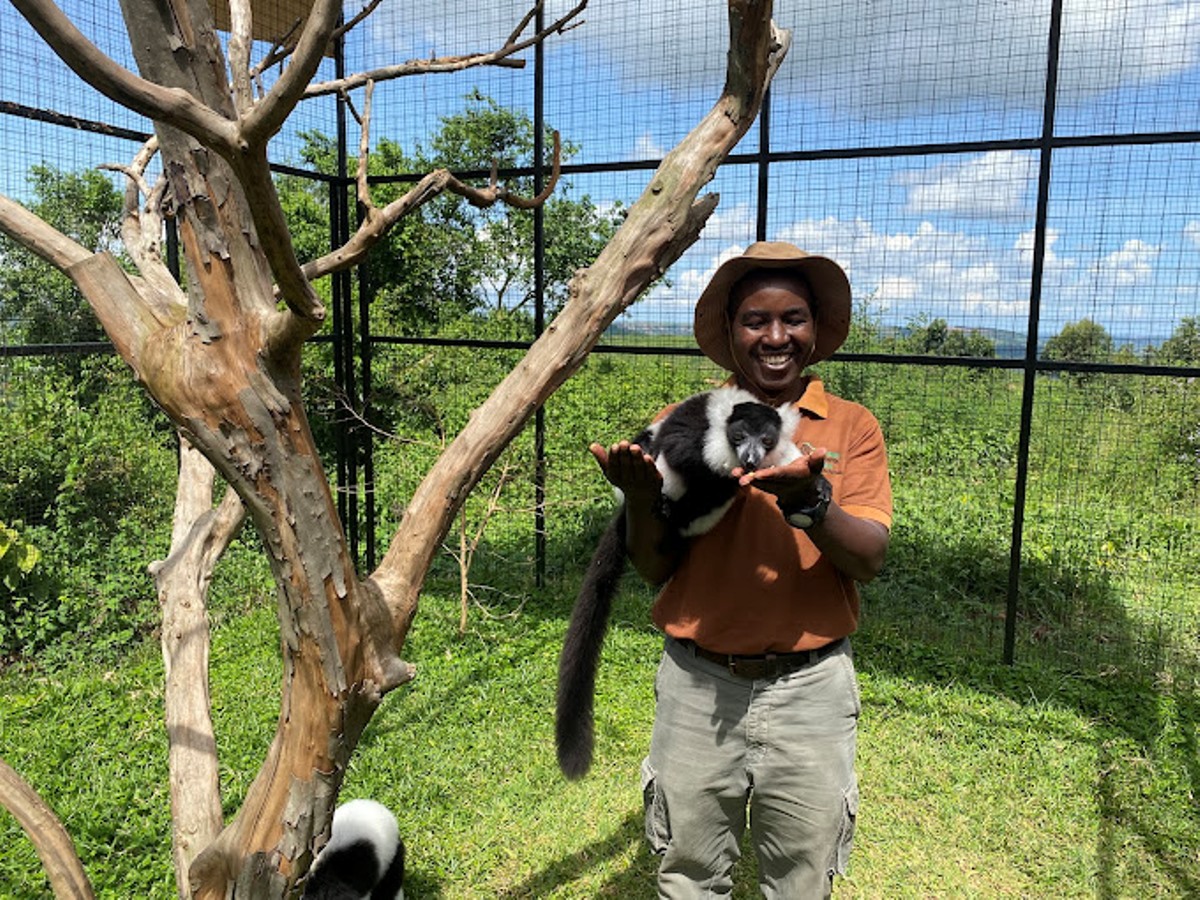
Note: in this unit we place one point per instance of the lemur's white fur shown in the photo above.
(719, 455)
(363, 820)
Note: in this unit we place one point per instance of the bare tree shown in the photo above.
(221, 355)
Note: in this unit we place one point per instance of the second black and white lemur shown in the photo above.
(695, 448)
(364, 859)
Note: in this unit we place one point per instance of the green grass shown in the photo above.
(978, 780)
(1074, 773)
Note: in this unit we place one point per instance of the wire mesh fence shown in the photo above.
(1014, 190)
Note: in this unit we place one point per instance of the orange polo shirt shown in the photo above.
(754, 584)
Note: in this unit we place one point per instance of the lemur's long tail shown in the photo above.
(581, 651)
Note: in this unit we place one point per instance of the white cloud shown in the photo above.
(1130, 266)
(1191, 232)
(645, 147)
(902, 273)
(994, 185)
(893, 290)
(931, 270)
(879, 59)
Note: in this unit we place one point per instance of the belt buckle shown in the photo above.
(768, 666)
(772, 668)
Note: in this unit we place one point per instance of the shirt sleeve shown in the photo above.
(865, 490)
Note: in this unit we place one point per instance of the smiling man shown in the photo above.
(757, 696)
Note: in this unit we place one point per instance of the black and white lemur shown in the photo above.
(695, 448)
(364, 859)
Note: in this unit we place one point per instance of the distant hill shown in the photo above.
(1009, 344)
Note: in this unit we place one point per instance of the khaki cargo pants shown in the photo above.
(781, 749)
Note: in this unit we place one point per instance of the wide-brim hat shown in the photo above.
(827, 282)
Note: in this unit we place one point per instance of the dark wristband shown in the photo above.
(813, 512)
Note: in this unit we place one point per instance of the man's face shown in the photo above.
(774, 332)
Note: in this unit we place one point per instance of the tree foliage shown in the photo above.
(1082, 341)
(937, 338)
(448, 259)
(37, 302)
(1183, 346)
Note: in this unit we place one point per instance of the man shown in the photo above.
(757, 697)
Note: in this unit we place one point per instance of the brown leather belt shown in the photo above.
(764, 665)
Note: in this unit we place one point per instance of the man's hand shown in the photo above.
(629, 469)
(654, 549)
(791, 484)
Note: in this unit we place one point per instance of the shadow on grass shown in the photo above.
(938, 615)
(632, 882)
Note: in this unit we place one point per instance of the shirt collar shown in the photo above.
(813, 401)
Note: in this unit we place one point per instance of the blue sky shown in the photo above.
(947, 235)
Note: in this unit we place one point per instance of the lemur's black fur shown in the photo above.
(695, 448)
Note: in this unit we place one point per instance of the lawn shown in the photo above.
(978, 780)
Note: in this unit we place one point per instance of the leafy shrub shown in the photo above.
(23, 588)
(87, 470)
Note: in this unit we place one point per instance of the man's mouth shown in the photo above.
(775, 360)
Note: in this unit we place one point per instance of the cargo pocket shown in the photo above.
(658, 829)
(845, 841)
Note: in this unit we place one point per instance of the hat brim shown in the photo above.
(826, 280)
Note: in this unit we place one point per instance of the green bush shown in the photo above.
(87, 471)
(23, 588)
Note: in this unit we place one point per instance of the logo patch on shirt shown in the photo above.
(831, 458)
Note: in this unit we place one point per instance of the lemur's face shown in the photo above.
(753, 432)
(774, 333)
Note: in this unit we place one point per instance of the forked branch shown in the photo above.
(500, 57)
(142, 227)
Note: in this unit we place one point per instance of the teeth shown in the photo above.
(777, 359)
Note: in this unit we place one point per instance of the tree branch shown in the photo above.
(661, 224)
(38, 237)
(269, 114)
(468, 547)
(500, 57)
(241, 27)
(120, 304)
(50, 839)
(171, 105)
(254, 174)
(376, 222)
(282, 46)
(200, 534)
(142, 229)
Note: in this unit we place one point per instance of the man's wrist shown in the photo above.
(812, 510)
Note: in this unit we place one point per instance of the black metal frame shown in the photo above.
(353, 353)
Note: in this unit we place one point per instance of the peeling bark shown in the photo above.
(200, 534)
